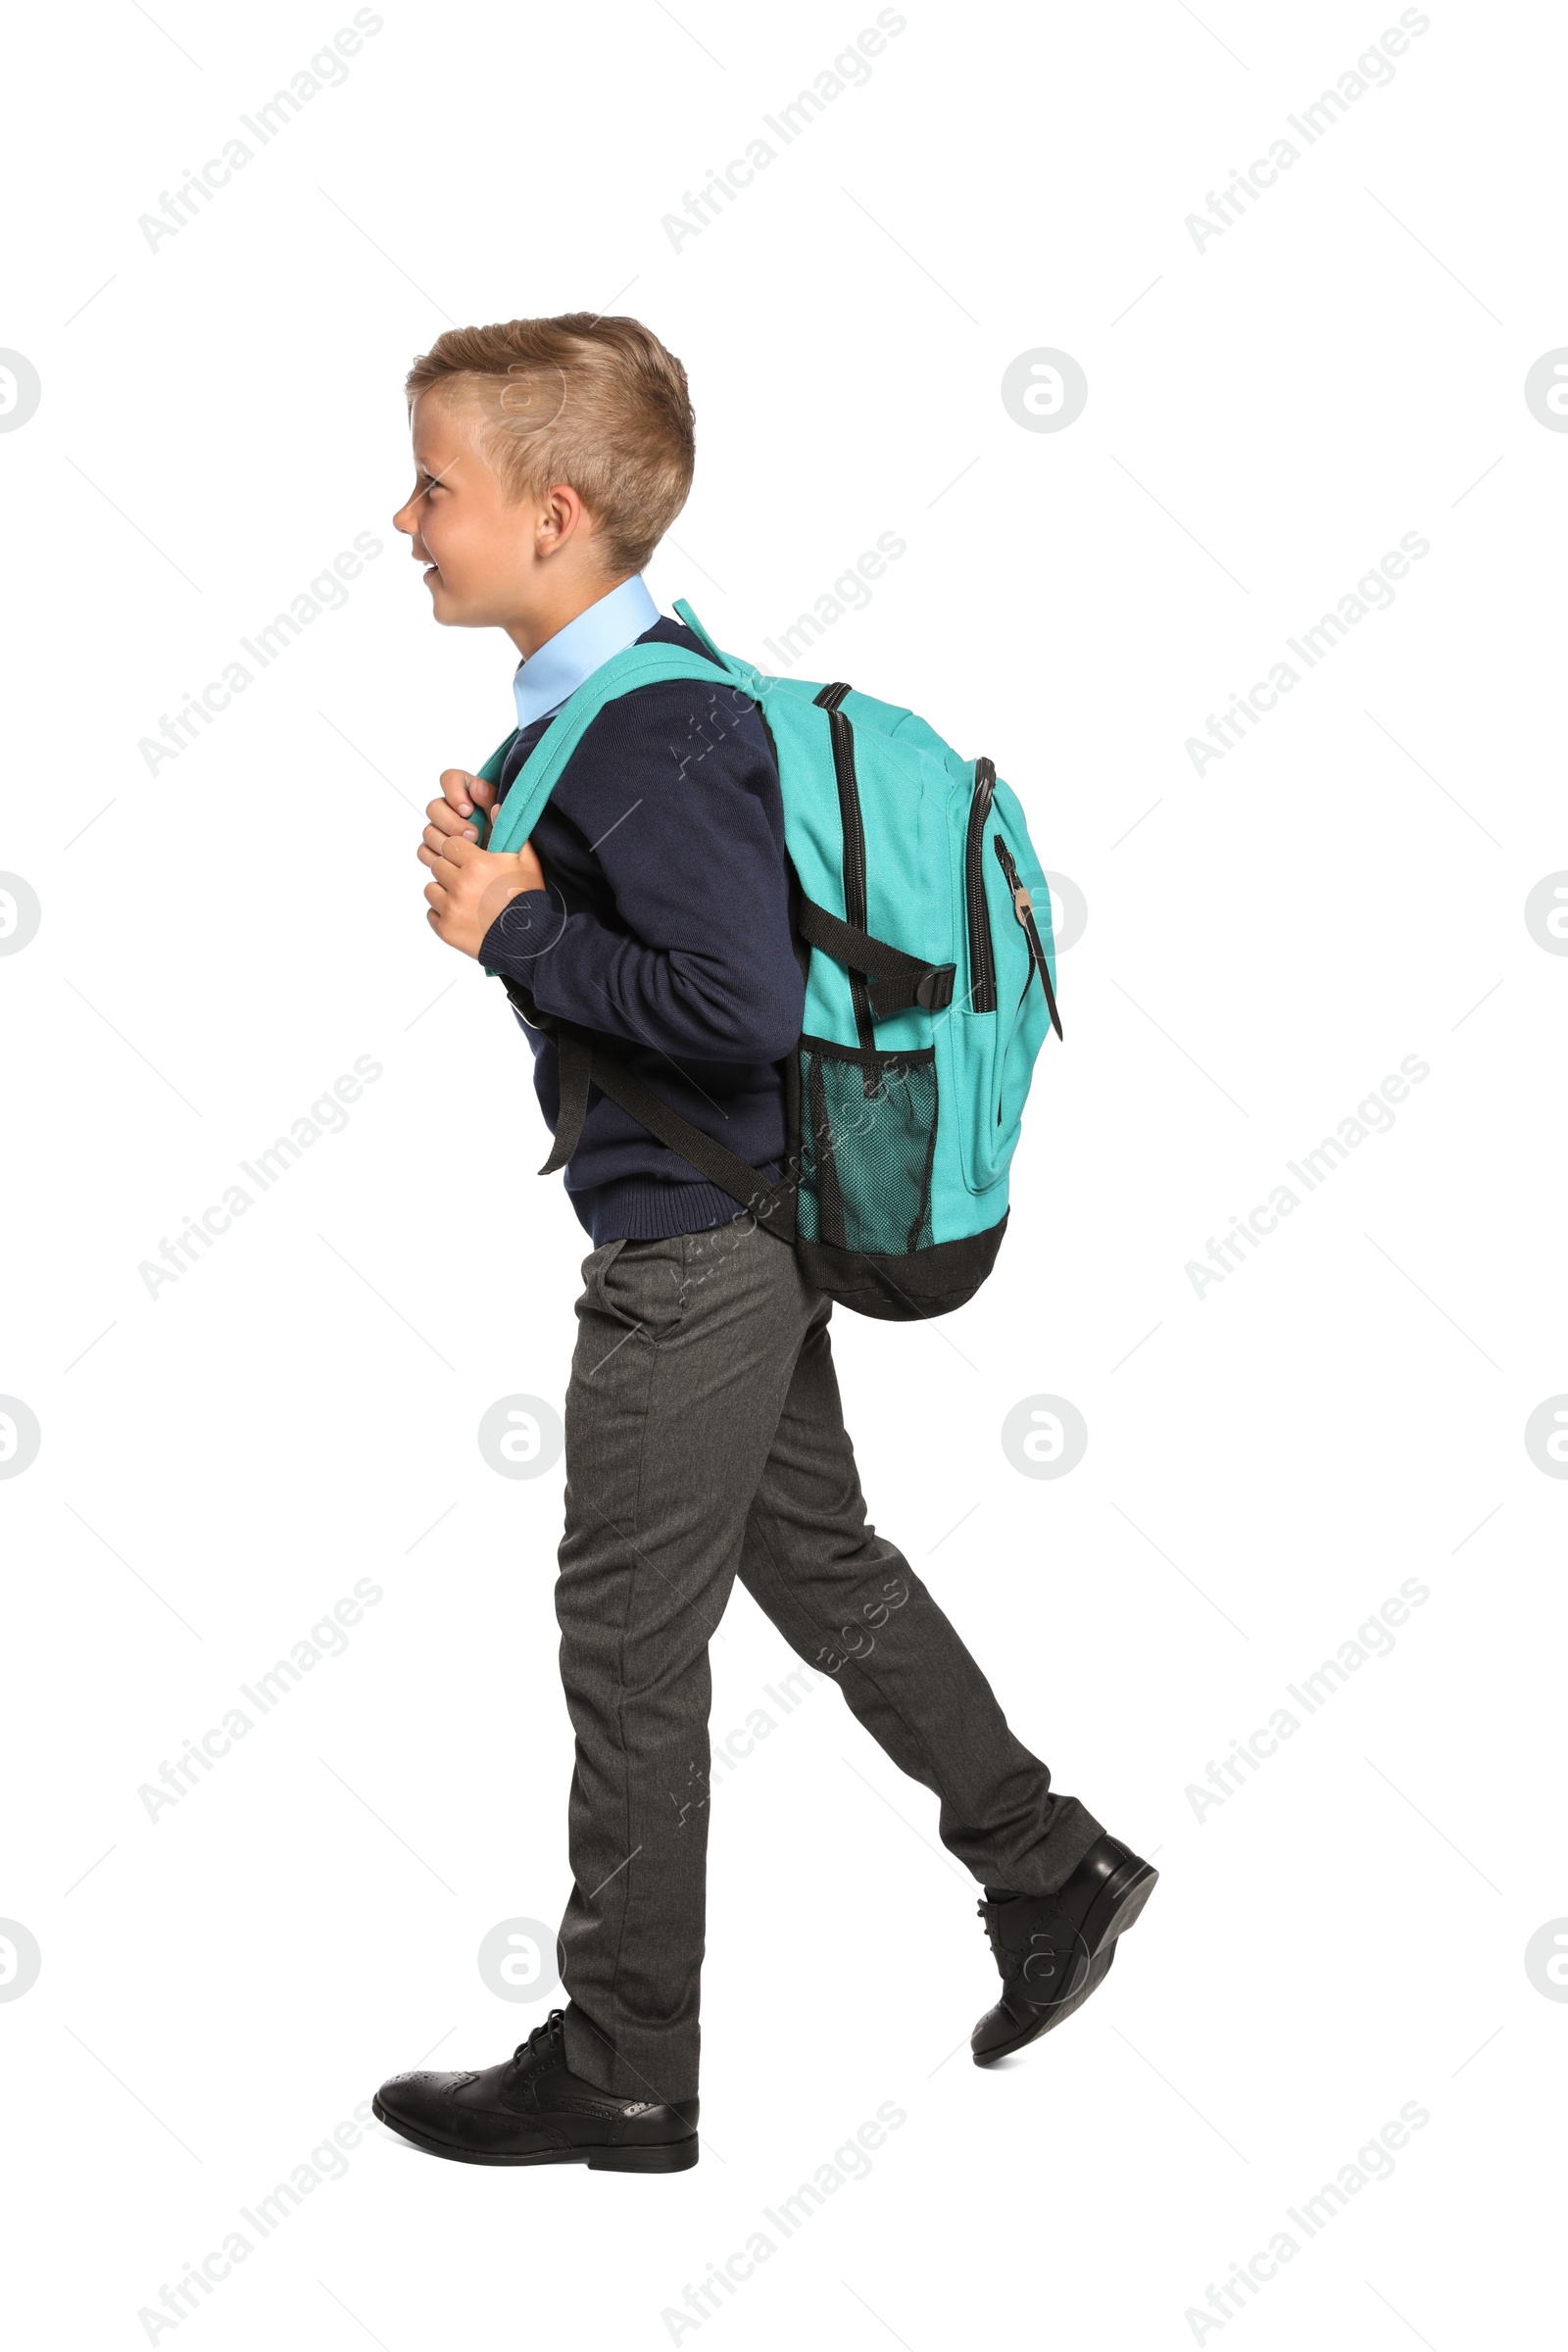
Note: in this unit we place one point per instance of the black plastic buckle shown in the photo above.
(934, 988)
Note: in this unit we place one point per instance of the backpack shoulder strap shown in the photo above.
(638, 666)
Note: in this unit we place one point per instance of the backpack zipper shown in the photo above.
(1023, 906)
(982, 962)
(854, 831)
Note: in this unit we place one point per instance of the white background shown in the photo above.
(1266, 1464)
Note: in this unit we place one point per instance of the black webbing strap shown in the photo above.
(897, 981)
(585, 1060)
(574, 1060)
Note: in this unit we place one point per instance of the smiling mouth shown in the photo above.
(433, 572)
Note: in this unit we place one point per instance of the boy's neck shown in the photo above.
(558, 609)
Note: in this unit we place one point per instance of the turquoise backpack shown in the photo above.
(921, 920)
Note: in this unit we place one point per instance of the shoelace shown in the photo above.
(1005, 1960)
(552, 2026)
(1010, 1961)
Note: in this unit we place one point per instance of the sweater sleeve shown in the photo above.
(671, 788)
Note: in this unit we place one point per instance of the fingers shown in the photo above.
(465, 793)
(447, 849)
(437, 899)
(457, 789)
(457, 848)
(446, 845)
(445, 818)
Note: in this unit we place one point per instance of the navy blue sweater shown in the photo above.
(663, 925)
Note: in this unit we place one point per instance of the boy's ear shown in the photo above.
(563, 518)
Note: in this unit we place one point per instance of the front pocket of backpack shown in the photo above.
(869, 1137)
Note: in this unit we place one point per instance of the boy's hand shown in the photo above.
(469, 886)
(466, 792)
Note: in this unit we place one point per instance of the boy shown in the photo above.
(704, 1432)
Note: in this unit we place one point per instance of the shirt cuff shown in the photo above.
(526, 928)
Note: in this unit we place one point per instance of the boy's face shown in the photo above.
(477, 542)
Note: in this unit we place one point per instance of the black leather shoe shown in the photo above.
(1054, 1950)
(529, 2110)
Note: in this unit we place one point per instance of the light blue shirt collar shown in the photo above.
(545, 680)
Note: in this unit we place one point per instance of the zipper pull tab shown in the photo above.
(1023, 906)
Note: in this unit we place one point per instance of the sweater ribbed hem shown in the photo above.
(647, 1208)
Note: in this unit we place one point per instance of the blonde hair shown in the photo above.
(595, 403)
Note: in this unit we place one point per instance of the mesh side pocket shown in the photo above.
(868, 1136)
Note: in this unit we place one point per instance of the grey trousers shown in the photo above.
(704, 1439)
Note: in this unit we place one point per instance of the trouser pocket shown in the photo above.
(868, 1135)
(640, 1284)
